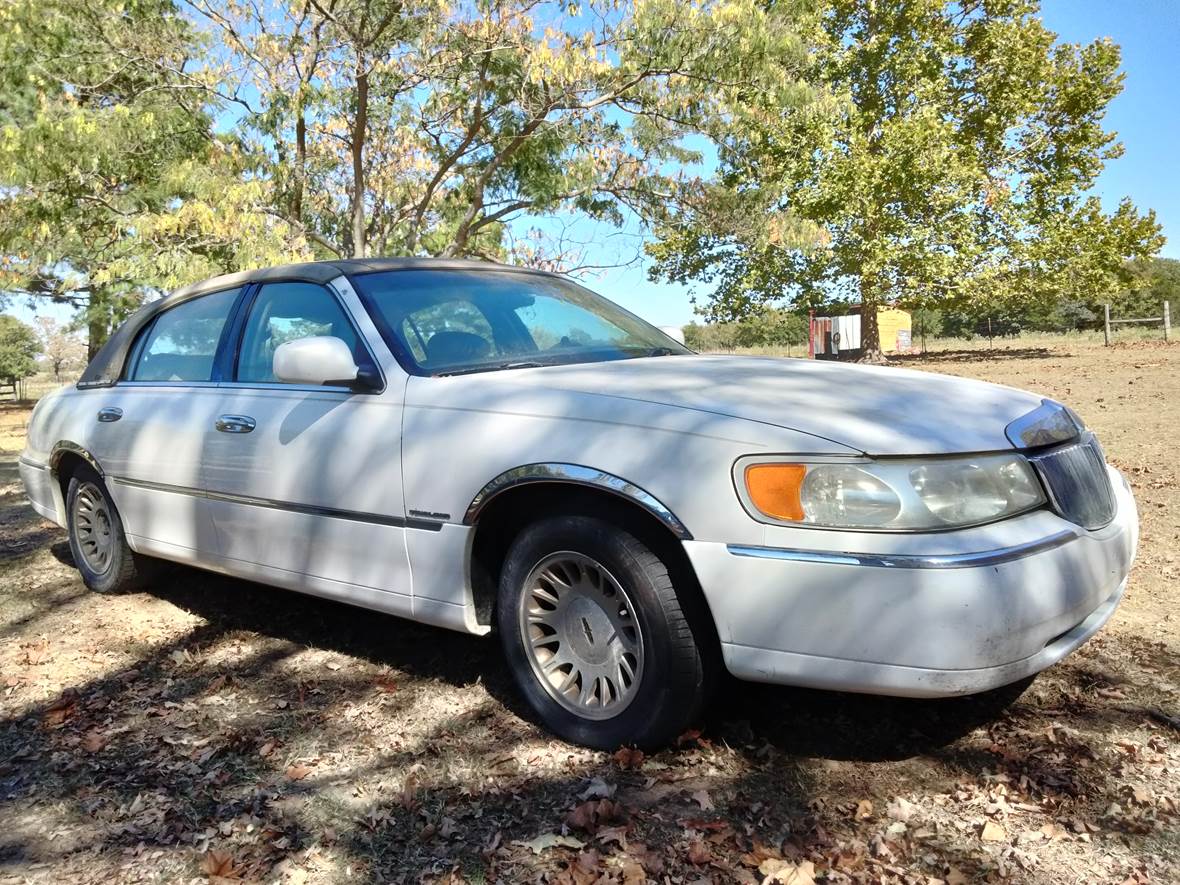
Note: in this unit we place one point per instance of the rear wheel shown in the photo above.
(596, 635)
(97, 541)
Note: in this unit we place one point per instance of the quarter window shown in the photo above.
(285, 312)
(181, 343)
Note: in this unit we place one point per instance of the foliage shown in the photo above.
(112, 180)
(18, 349)
(1152, 282)
(950, 166)
(421, 127)
(770, 328)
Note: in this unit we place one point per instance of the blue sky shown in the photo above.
(1146, 116)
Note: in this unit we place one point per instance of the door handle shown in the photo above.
(109, 414)
(235, 424)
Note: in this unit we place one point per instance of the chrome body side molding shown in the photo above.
(429, 525)
(976, 559)
(575, 474)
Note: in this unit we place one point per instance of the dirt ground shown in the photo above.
(212, 729)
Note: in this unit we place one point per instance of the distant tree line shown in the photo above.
(1152, 281)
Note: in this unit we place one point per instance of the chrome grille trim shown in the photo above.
(1077, 482)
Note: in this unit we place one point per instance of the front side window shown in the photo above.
(452, 321)
(285, 312)
(181, 343)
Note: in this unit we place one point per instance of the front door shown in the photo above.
(306, 481)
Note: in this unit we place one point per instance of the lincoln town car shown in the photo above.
(491, 449)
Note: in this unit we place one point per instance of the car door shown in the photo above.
(149, 428)
(307, 480)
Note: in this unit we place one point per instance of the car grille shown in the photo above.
(1076, 478)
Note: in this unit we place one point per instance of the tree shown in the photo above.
(413, 127)
(18, 349)
(1152, 282)
(62, 349)
(113, 182)
(953, 163)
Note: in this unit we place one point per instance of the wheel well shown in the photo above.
(64, 468)
(511, 511)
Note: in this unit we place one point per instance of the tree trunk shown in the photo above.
(870, 330)
(98, 333)
(300, 160)
(360, 124)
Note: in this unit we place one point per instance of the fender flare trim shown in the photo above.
(575, 474)
(64, 447)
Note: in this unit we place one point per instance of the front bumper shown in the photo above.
(956, 616)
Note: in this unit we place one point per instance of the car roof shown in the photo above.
(324, 271)
(107, 364)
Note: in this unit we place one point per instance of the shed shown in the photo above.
(837, 337)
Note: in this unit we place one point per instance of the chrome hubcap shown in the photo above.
(93, 530)
(580, 634)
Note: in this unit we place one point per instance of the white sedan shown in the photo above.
(488, 448)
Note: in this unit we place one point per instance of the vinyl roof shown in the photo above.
(107, 364)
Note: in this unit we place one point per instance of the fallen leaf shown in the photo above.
(703, 799)
(993, 832)
(550, 840)
(699, 853)
(864, 809)
(219, 865)
(93, 741)
(901, 809)
(628, 757)
(591, 815)
(613, 834)
(266, 749)
(298, 772)
(791, 874)
(598, 789)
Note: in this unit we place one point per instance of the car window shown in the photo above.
(181, 343)
(456, 320)
(450, 321)
(285, 312)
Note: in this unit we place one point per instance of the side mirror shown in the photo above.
(320, 359)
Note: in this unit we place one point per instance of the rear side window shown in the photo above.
(285, 312)
(181, 343)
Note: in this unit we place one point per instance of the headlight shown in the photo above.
(896, 494)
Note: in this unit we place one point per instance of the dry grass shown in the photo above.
(211, 727)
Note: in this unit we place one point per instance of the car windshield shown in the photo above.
(449, 322)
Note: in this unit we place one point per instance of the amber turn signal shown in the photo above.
(774, 489)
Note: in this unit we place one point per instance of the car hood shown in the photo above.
(875, 410)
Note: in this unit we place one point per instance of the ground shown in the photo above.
(212, 729)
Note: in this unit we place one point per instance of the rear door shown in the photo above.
(307, 480)
(149, 430)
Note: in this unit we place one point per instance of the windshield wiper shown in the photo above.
(522, 364)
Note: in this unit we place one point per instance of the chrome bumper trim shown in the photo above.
(909, 561)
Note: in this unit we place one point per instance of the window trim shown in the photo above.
(241, 317)
(137, 345)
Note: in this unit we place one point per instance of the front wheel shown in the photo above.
(596, 635)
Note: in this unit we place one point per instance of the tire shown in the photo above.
(556, 616)
(97, 540)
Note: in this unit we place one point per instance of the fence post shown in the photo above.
(1167, 320)
(1106, 324)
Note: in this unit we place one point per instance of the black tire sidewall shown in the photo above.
(115, 576)
(667, 687)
